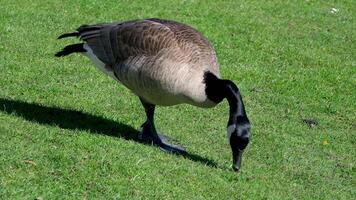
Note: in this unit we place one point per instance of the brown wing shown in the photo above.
(115, 42)
(186, 36)
(191, 41)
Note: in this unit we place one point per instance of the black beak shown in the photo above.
(236, 159)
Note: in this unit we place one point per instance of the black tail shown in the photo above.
(74, 34)
(80, 30)
(73, 48)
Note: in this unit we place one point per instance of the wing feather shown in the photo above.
(113, 43)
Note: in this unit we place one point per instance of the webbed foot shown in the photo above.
(162, 141)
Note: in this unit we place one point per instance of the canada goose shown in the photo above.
(164, 63)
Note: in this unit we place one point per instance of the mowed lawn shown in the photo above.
(69, 132)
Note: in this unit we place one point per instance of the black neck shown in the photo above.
(237, 107)
(217, 89)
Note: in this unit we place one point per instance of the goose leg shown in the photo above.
(150, 135)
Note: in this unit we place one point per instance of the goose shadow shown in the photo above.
(78, 120)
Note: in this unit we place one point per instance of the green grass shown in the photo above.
(67, 131)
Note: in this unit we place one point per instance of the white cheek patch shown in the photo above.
(99, 64)
(230, 130)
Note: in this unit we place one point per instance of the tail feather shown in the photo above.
(85, 28)
(82, 29)
(73, 48)
(73, 34)
(85, 32)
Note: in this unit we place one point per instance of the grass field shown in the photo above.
(69, 132)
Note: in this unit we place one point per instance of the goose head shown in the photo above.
(238, 132)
